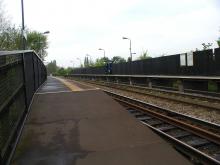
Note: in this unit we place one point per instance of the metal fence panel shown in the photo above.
(217, 62)
(203, 63)
(18, 82)
(29, 76)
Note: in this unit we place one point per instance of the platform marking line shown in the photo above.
(84, 90)
(84, 84)
(71, 86)
(43, 93)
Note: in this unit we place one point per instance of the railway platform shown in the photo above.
(70, 123)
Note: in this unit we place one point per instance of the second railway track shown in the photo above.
(212, 103)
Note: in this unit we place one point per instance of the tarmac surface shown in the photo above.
(87, 127)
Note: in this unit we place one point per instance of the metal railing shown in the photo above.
(21, 74)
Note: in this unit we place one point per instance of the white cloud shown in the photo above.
(81, 27)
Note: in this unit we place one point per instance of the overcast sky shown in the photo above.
(80, 27)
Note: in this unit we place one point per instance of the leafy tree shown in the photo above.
(118, 59)
(4, 22)
(55, 70)
(101, 61)
(5, 27)
(129, 59)
(206, 46)
(86, 61)
(61, 72)
(10, 37)
(144, 55)
(52, 67)
(38, 42)
(69, 70)
(218, 42)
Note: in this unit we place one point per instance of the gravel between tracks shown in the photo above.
(195, 111)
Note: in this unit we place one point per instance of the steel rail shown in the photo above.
(194, 130)
(199, 121)
(144, 92)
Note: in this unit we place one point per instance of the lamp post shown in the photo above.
(46, 32)
(125, 38)
(23, 28)
(103, 51)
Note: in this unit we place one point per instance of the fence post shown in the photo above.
(130, 81)
(33, 71)
(149, 82)
(180, 85)
(24, 83)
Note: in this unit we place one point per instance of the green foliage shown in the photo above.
(38, 42)
(129, 59)
(63, 71)
(118, 59)
(206, 46)
(144, 55)
(52, 67)
(69, 70)
(55, 70)
(4, 22)
(101, 61)
(86, 62)
(218, 42)
(11, 38)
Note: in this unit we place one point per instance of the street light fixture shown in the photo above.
(103, 50)
(46, 32)
(125, 38)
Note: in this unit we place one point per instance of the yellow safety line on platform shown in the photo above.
(71, 86)
(90, 86)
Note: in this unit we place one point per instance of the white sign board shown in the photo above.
(183, 59)
(190, 59)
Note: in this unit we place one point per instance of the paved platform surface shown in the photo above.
(87, 128)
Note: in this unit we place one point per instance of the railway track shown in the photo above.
(197, 139)
(212, 103)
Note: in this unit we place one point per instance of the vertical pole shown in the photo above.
(130, 50)
(39, 46)
(33, 72)
(149, 82)
(180, 85)
(23, 28)
(24, 83)
(130, 81)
